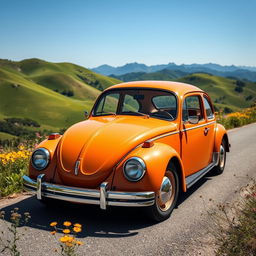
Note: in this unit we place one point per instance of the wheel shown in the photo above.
(166, 197)
(218, 169)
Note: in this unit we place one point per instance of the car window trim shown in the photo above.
(135, 88)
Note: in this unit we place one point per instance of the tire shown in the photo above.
(161, 211)
(218, 169)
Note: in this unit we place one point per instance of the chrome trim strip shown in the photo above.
(77, 167)
(192, 179)
(162, 136)
(183, 130)
(100, 196)
(39, 186)
(198, 126)
(103, 195)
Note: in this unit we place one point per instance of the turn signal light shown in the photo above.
(148, 144)
(53, 136)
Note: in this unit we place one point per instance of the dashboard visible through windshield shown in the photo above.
(149, 102)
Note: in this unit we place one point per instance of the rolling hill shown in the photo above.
(226, 93)
(55, 95)
(39, 90)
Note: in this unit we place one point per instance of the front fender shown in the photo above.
(156, 158)
(51, 146)
(220, 133)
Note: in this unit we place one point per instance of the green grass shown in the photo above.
(6, 136)
(28, 90)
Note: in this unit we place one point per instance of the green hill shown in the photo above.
(224, 92)
(39, 90)
(229, 94)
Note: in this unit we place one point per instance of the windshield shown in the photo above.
(154, 103)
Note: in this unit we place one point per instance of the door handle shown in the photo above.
(206, 130)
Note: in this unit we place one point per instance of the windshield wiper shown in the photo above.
(136, 112)
(106, 113)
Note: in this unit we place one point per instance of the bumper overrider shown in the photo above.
(102, 196)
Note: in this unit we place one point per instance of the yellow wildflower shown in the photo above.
(67, 223)
(53, 232)
(64, 239)
(77, 229)
(53, 224)
(66, 231)
(77, 225)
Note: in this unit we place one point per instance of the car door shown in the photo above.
(195, 142)
(209, 129)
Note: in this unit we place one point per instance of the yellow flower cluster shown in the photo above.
(67, 239)
(238, 115)
(11, 157)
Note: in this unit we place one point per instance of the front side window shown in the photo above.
(192, 107)
(108, 104)
(155, 103)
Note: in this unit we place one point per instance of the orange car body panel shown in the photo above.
(102, 144)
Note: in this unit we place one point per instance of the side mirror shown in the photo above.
(86, 114)
(193, 119)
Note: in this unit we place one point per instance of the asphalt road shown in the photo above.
(127, 231)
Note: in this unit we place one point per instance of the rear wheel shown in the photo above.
(166, 196)
(218, 169)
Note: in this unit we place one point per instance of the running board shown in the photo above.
(192, 179)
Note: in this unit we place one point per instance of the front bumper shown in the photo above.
(102, 196)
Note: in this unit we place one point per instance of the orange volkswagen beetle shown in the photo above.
(143, 143)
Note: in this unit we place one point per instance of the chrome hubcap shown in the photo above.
(166, 193)
(222, 156)
(165, 190)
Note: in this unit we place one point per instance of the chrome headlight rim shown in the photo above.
(141, 162)
(47, 154)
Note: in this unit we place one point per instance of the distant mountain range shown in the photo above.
(238, 72)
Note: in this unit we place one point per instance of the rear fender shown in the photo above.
(220, 134)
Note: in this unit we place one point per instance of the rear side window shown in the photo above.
(208, 108)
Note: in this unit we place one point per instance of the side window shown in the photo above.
(130, 104)
(192, 107)
(108, 104)
(208, 109)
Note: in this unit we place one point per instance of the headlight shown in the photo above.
(40, 158)
(134, 169)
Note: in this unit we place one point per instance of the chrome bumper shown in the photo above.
(101, 196)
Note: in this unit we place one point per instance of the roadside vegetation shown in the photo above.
(67, 242)
(237, 119)
(236, 225)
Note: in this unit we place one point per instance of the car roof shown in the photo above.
(177, 87)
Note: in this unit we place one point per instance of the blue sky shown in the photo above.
(115, 32)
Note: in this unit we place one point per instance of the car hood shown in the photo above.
(100, 143)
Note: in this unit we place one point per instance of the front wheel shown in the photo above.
(166, 196)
